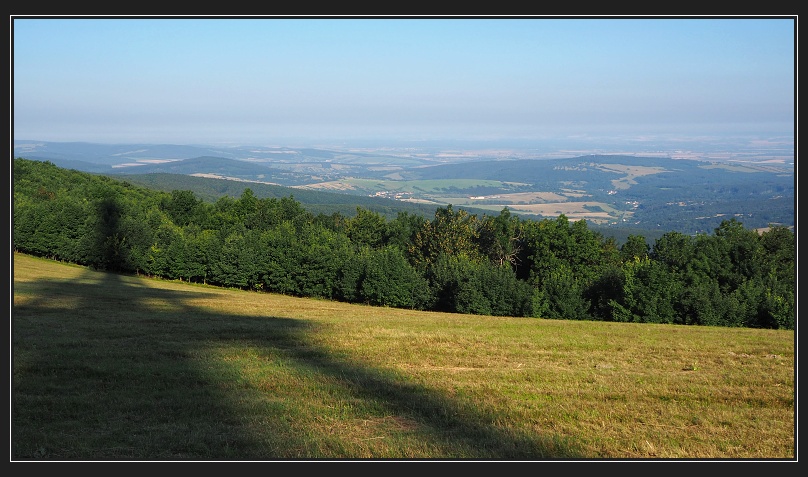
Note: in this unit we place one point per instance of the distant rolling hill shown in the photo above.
(327, 203)
(211, 189)
(207, 165)
(109, 155)
(619, 193)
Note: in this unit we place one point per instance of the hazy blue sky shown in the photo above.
(262, 80)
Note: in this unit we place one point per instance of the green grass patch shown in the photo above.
(114, 367)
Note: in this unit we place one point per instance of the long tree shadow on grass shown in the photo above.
(108, 368)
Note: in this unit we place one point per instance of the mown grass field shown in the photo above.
(113, 367)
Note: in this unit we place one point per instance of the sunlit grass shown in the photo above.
(111, 367)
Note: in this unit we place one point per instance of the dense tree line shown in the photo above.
(455, 261)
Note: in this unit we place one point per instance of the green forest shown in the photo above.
(456, 261)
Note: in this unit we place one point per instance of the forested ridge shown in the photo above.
(455, 261)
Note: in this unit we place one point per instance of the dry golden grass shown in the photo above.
(119, 367)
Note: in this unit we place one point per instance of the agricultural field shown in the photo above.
(445, 191)
(631, 173)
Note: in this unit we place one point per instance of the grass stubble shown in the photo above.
(116, 367)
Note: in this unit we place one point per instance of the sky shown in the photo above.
(205, 80)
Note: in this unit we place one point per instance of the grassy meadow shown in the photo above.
(117, 367)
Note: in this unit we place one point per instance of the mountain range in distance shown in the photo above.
(652, 191)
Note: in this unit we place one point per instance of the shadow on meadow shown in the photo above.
(107, 368)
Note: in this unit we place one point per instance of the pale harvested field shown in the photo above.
(570, 209)
(632, 172)
(332, 185)
(531, 197)
(422, 201)
(575, 193)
